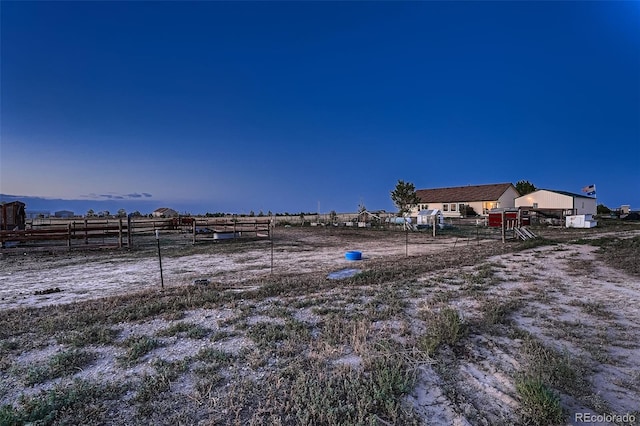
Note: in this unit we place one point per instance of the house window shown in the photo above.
(454, 207)
(535, 205)
(445, 207)
(461, 209)
(487, 206)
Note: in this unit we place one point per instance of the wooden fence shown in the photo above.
(122, 232)
(224, 228)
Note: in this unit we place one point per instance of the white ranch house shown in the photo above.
(452, 202)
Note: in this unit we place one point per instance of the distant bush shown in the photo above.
(469, 211)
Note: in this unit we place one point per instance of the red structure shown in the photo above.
(514, 217)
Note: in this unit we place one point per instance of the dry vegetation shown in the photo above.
(488, 334)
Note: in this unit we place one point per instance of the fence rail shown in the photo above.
(122, 232)
(127, 232)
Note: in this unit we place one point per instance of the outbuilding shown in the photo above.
(565, 203)
(12, 216)
(164, 212)
(430, 217)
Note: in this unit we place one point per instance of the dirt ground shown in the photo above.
(82, 275)
(567, 297)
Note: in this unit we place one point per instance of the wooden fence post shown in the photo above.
(434, 225)
(129, 237)
(503, 226)
(69, 235)
(86, 232)
(120, 233)
(406, 241)
(194, 231)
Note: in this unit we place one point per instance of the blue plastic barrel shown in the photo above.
(353, 255)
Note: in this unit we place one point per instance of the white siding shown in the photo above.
(586, 205)
(508, 199)
(543, 199)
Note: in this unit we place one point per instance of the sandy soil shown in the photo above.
(559, 287)
(570, 300)
(88, 275)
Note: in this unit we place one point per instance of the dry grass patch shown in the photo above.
(302, 349)
(136, 348)
(443, 327)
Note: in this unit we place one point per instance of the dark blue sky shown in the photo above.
(281, 106)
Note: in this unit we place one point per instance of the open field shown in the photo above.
(457, 332)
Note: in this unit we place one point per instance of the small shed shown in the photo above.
(429, 217)
(13, 216)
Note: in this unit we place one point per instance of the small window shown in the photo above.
(454, 207)
(535, 205)
(445, 207)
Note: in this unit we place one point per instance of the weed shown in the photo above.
(221, 335)
(558, 369)
(192, 331)
(496, 311)
(540, 405)
(314, 393)
(444, 296)
(63, 403)
(212, 355)
(269, 335)
(596, 309)
(324, 310)
(137, 347)
(92, 335)
(535, 242)
(387, 304)
(153, 384)
(277, 312)
(61, 364)
(620, 253)
(266, 334)
(443, 327)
